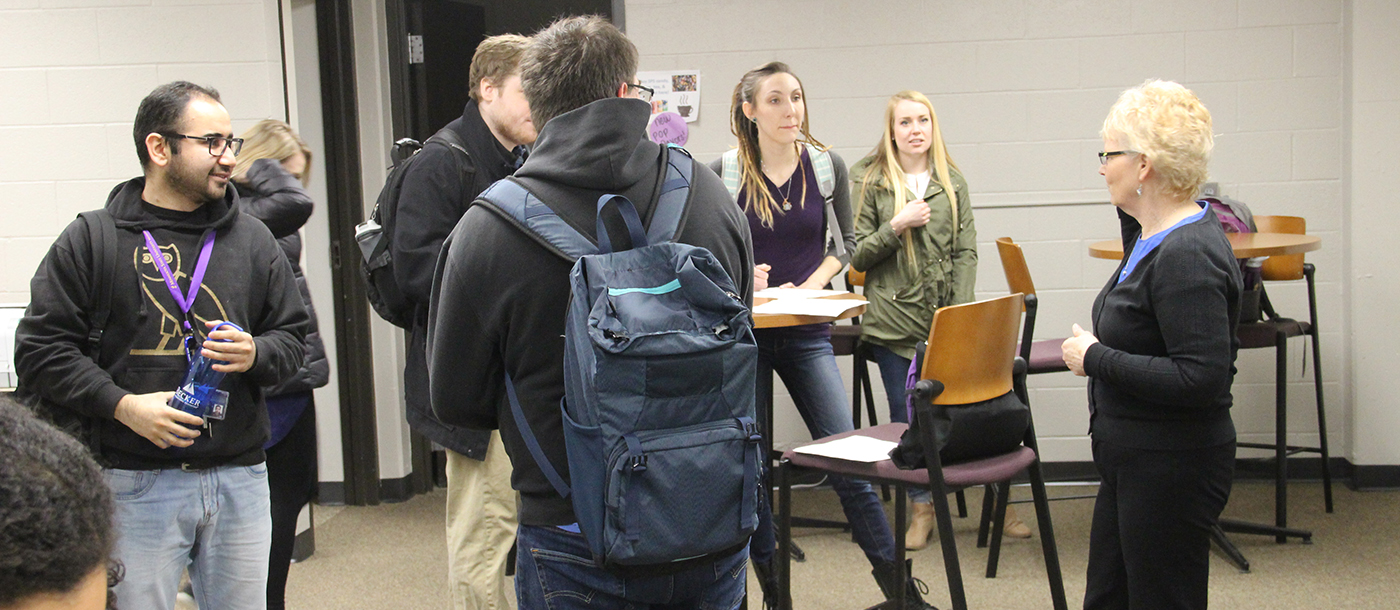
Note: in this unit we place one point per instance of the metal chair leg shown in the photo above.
(1322, 423)
(998, 528)
(984, 525)
(950, 549)
(1281, 435)
(1047, 537)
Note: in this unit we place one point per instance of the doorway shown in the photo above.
(431, 43)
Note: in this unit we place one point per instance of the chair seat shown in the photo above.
(1046, 357)
(1265, 334)
(964, 474)
(845, 338)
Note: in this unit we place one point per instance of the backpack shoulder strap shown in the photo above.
(675, 194)
(729, 171)
(102, 230)
(517, 205)
(825, 172)
(466, 166)
(522, 424)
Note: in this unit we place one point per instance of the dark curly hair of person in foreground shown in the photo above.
(56, 533)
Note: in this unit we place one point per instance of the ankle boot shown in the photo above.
(887, 576)
(768, 583)
(1014, 527)
(921, 526)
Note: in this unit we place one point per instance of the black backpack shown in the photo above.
(102, 234)
(374, 235)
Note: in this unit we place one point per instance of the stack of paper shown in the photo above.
(795, 293)
(852, 448)
(808, 307)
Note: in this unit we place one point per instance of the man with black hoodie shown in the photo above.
(501, 299)
(176, 258)
(439, 187)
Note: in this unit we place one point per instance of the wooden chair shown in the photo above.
(971, 358)
(1274, 331)
(841, 345)
(1041, 356)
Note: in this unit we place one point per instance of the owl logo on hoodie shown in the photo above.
(170, 340)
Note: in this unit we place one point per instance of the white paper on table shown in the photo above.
(795, 293)
(852, 448)
(808, 307)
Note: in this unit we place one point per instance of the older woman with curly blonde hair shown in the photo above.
(1160, 360)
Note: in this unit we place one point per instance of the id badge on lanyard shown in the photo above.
(185, 301)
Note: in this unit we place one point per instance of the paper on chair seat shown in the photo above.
(852, 448)
(795, 293)
(808, 307)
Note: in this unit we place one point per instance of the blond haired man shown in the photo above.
(494, 128)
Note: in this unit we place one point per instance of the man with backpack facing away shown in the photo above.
(437, 189)
(501, 301)
(124, 302)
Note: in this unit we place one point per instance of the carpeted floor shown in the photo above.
(394, 556)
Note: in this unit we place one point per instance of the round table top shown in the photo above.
(783, 320)
(1245, 245)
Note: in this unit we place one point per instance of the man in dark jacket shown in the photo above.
(439, 187)
(501, 300)
(189, 492)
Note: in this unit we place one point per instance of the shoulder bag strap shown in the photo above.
(826, 184)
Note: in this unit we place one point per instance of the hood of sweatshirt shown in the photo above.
(127, 208)
(595, 147)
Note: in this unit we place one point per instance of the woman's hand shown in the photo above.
(914, 214)
(1074, 348)
(760, 277)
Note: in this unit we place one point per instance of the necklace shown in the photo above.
(787, 205)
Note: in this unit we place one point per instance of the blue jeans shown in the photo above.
(554, 570)
(216, 522)
(808, 369)
(894, 372)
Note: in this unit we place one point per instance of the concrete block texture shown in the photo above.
(48, 38)
(1252, 54)
(99, 94)
(26, 97)
(126, 35)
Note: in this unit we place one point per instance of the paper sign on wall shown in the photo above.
(677, 91)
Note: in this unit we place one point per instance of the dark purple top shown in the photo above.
(796, 244)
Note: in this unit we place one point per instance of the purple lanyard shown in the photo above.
(185, 302)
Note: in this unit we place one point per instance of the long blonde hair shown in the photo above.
(750, 157)
(885, 162)
(271, 139)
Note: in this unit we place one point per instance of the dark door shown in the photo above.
(431, 43)
(449, 31)
(435, 81)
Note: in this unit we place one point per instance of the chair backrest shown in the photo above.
(1013, 263)
(1018, 278)
(854, 278)
(1288, 266)
(972, 349)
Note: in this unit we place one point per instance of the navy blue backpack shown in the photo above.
(659, 372)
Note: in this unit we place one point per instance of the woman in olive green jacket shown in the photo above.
(917, 245)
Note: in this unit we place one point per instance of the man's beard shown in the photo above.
(193, 184)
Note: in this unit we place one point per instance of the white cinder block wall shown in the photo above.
(72, 73)
(1021, 88)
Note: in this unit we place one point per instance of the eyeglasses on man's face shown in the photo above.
(1105, 156)
(644, 92)
(217, 144)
